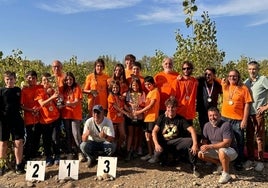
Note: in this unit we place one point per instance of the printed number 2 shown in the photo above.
(107, 170)
(35, 174)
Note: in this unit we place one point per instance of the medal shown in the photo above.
(50, 108)
(230, 102)
(209, 99)
(187, 98)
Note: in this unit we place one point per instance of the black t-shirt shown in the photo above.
(171, 128)
(10, 101)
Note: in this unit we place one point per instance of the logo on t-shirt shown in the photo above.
(170, 131)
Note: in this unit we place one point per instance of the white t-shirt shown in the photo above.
(106, 125)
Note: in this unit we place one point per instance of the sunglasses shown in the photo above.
(187, 68)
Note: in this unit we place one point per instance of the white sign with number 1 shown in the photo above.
(68, 168)
(35, 170)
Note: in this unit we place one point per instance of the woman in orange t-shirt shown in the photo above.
(71, 113)
(116, 111)
(96, 87)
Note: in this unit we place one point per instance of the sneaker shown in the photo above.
(259, 167)
(218, 171)
(248, 164)
(49, 162)
(19, 168)
(154, 159)
(81, 158)
(225, 177)
(2, 171)
(56, 161)
(195, 172)
(90, 162)
(146, 157)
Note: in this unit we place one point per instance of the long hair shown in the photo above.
(65, 86)
(122, 78)
(239, 81)
(101, 61)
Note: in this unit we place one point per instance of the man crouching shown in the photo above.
(219, 144)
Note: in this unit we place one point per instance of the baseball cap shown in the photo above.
(98, 108)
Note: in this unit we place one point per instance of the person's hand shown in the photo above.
(85, 135)
(194, 149)
(261, 109)
(205, 148)
(158, 148)
(243, 124)
(102, 134)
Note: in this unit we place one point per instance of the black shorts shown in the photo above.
(13, 126)
(136, 123)
(149, 126)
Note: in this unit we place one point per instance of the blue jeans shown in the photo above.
(239, 136)
(92, 149)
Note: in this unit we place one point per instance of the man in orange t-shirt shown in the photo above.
(185, 87)
(31, 115)
(57, 72)
(163, 81)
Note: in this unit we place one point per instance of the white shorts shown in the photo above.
(230, 152)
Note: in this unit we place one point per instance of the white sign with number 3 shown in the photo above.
(107, 165)
(68, 168)
(35, 170)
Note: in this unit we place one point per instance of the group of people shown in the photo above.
(127, 108)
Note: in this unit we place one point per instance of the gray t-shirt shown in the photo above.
(217, 134)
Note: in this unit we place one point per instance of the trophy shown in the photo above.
(134, 99)
(54, 84)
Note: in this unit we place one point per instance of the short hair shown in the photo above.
(149, 79)
(137, 64)
(254, 63)
(46, 74)
(171, 101)
(9, 74)
(130, 57)
(31, 73)
(189, 63)
(214, 109)
(212, 69)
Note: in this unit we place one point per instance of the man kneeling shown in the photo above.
(218, 144)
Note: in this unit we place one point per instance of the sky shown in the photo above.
(59, 29)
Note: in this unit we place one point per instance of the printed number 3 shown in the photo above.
(107, 163)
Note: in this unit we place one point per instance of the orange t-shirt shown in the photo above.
(128, 73)
(152, 114)
(28, 101)
(185, 93)
(98, 83)
(49, 112)
(234, 100)
(72, 112)
(113, 114)
(60, 80)
(163, 82)
(123, 85)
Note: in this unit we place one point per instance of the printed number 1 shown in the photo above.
(107, 170)
(35, 174)
(69, 169)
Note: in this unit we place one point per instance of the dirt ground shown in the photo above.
(138, 173)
